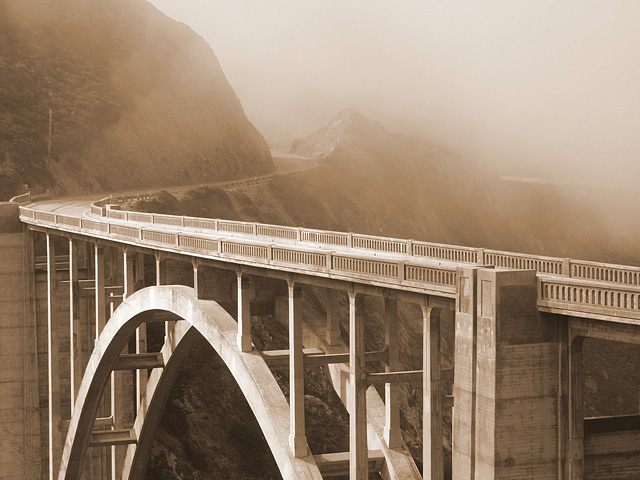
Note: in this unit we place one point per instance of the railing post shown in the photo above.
(433, 460)
(244, 313)
(358, 448)
(53, 362)
(392, 431)
(566, 267)
(297, 437)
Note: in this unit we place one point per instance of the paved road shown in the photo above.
(286, 164)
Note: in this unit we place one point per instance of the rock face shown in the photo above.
(344, 126)
(137, 100)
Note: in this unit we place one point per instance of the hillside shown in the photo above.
(137, 100)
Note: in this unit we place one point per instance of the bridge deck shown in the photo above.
(566, 286)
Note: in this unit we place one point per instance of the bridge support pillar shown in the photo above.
(244, 313)
(358, 448)
(297, 436)
(75, 366)
(141, 338)
(53, 363)
(101, 309)
(464, 387)
(20, 437)
(576, 410)
(392, 431)
(333, 318)
(514, 422)
(432, 446)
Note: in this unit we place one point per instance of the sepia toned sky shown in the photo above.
(537, 87)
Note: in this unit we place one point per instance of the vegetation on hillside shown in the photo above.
(137, 100)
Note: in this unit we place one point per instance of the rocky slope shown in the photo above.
(137, 100)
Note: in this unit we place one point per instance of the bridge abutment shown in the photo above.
(20, 440)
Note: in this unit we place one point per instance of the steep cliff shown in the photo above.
(137, 100)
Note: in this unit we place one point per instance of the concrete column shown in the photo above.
(464, 386)
(53, 363)
(358, 449)
(244, 313)
(139, 266)
(129, 273)
(392, 431)
(333, 318)
(20, 435)
(297, 437)
(199, 283)
(564, 385)
(101, 311)
(433, 460)
(576, 411)
(141, 374)
(76, 369)
(161, 270)
(161, 279)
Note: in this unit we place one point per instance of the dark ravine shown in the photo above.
(137, 100)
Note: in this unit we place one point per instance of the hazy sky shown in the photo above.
(554, 84)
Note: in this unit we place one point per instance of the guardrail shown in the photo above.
(563, 284)
(564, 267)
(299, 258)
(589, 297)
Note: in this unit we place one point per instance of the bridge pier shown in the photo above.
(514, 422)
(53, 362)
(358, 447)
(392, 431)
(432, 447)
(244, 313)
(297, 437)
(576, 410)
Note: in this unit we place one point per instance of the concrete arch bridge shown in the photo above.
(81, 395)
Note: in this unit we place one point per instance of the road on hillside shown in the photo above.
(286, 164)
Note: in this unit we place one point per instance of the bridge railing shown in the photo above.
(589, 297)
(356, 264)
(618, 274)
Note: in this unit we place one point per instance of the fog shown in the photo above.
(538, 88)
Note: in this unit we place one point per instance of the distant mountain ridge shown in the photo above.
(347, 124)
(138, 100)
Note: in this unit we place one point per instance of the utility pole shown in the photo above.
(50, 128)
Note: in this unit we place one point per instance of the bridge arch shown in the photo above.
(179, 303)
